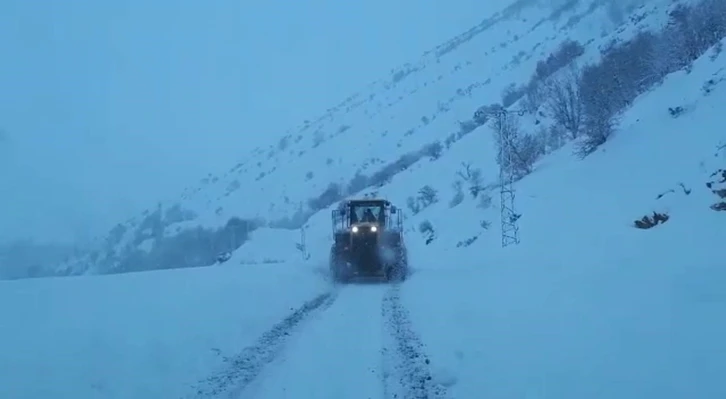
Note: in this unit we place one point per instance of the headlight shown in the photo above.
(374, 229)
(355, 229)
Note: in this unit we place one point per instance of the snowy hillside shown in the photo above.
(586, 306)
(615, 291)
(423, 111)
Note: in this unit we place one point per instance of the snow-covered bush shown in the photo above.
(647, 222)
(427, 195)
(717, 185)
(427, 230)
(412, 205)
(458, 194)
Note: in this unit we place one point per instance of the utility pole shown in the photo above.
(507, 138)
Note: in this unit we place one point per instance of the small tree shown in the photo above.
(472, 176)
(475, 183)
(564, 103)
(427, 195)
(602, 98)
(598, 130)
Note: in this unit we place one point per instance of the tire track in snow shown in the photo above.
(247, 365)
(336, 355)
(407, 373)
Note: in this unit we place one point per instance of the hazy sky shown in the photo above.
(108, 106)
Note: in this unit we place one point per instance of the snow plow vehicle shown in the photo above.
(368, 242)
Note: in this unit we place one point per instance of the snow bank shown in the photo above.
(644, 320)
(140, 335)
(268, 245)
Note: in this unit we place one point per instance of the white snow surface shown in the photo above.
(139, 335)
(586, 306)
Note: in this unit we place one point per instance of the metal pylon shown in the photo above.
(509, 217)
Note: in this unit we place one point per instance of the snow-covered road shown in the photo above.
(355, 341)
(638, 320)
(318, 363)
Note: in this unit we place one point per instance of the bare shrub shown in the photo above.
(529, 149)
(473, 178)
(427, 196)
(598, 130)
(647, 222)
(427, 230)
(413, 205)
(564, 103)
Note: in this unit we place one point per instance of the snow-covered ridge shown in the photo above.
(424, 112)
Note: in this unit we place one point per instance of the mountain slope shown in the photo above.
(423, 111)
(597, 300)
(419, 104)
